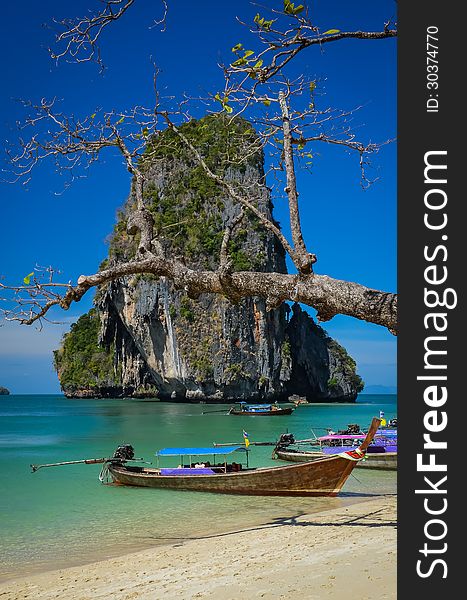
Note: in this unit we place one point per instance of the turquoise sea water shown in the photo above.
(64, 516)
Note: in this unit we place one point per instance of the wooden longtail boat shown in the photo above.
(386, 461)
(381, 454)
(258, 410)
(322, 477)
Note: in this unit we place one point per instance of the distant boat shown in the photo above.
(324, 476)
(258, 410)
(299, 400)
(381, 453)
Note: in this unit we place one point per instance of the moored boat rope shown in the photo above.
(105, 476)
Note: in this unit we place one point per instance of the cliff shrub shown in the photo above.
(347, 366)
(80, 362)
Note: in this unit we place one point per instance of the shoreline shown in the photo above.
(320, 555)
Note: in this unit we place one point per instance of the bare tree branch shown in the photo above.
(303, 259)
(79, 40)
(224, 263)
(329, 296)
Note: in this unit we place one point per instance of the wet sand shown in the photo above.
(346, 552)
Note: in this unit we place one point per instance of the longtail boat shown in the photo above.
(322, 477)
(381, 453)
(258, 410)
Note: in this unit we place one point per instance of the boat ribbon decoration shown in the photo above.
(354, 455)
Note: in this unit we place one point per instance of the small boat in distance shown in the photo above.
(260, 410)
(322, 477)
(299, 400)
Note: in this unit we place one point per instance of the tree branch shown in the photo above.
(302, 259)
(327, 295)
(224, 263)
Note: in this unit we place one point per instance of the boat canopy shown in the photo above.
(357, 436)
(259, 406)
(199, 451)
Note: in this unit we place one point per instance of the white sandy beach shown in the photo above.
(347, 552)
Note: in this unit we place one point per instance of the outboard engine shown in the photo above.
(285, 440)
(124, 452)
(352, 429)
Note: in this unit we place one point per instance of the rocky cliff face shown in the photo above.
(161, 342)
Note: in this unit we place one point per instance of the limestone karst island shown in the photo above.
(144, 338)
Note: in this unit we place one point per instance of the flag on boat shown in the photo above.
(245, 437)
(383, 420)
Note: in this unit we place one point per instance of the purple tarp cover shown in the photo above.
(370, 449)
(199, 471)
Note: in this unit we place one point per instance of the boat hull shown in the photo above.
(266, 413)
(385, 461)
(322, 477)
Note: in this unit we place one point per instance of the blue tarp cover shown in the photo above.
(259, 406)
(198, 451)
(190, 472)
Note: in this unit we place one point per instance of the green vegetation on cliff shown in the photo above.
(80, 362)
(347, 367)
(219, 138)
(187, 206)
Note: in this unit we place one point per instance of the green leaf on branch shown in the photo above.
(120, 121)
(262, 23)
(243, 59)
(331, 31)
(258, 64)
(27, 279)
(291, 9)
(145, 132)
(312, 86)
(239, 63)
(224, 102)
(93, 116)
(237, 47)
(266, 102)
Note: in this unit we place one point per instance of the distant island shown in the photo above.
(4, 391)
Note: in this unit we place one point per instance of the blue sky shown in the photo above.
(352, 231)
